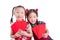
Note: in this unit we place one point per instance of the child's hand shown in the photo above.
(46, 35)
(22, 32)
(17, 34)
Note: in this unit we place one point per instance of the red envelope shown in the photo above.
(19, 25)
(39, 30)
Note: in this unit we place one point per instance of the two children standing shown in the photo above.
(22, 30)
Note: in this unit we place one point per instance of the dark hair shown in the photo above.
(29, 12)
(13, 11)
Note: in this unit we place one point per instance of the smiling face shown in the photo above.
(19, 13)
(32, 17)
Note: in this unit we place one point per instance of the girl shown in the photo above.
(38, 27)
(20, 30)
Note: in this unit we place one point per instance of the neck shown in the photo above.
(19, 19)
(33, 24)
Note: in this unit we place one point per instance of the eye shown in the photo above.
(30, 17)
(34, 16)
(17, 12)
(21, 12)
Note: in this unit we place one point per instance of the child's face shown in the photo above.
(32, 18)
(19, 13)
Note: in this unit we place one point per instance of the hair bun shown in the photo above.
(36, 10)
(27, 10)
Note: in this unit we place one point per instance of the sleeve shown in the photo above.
(28, 28)
(12, 26)
(11, 29)
(41, 22)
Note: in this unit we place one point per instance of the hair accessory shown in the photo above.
(36, 10)
(27, 10)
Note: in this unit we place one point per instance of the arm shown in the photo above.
(46, 34)
(14, 35)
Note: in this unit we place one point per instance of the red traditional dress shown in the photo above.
(19, 25)
(39, 30)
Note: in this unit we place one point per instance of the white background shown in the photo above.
(48, 10)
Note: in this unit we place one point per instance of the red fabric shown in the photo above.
(48, 38)
(18, 25)
(39, 30)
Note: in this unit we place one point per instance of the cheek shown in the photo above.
(23, 15)
(29, 19)
(35, 19)
(16, 15)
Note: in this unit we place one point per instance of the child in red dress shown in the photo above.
(20, 30)
(38, 27)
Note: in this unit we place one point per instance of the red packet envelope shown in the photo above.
(39, 30)
(15, 27)
(22, 25)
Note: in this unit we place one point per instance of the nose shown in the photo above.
(33, 19)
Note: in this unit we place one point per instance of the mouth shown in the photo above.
(33, 21)
(18, 17)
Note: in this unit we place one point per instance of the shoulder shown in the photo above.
(41, 22)
(12, 24)
(26, 22)
(28, 26)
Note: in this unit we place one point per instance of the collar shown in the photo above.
(20, 20)
(33, 25)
